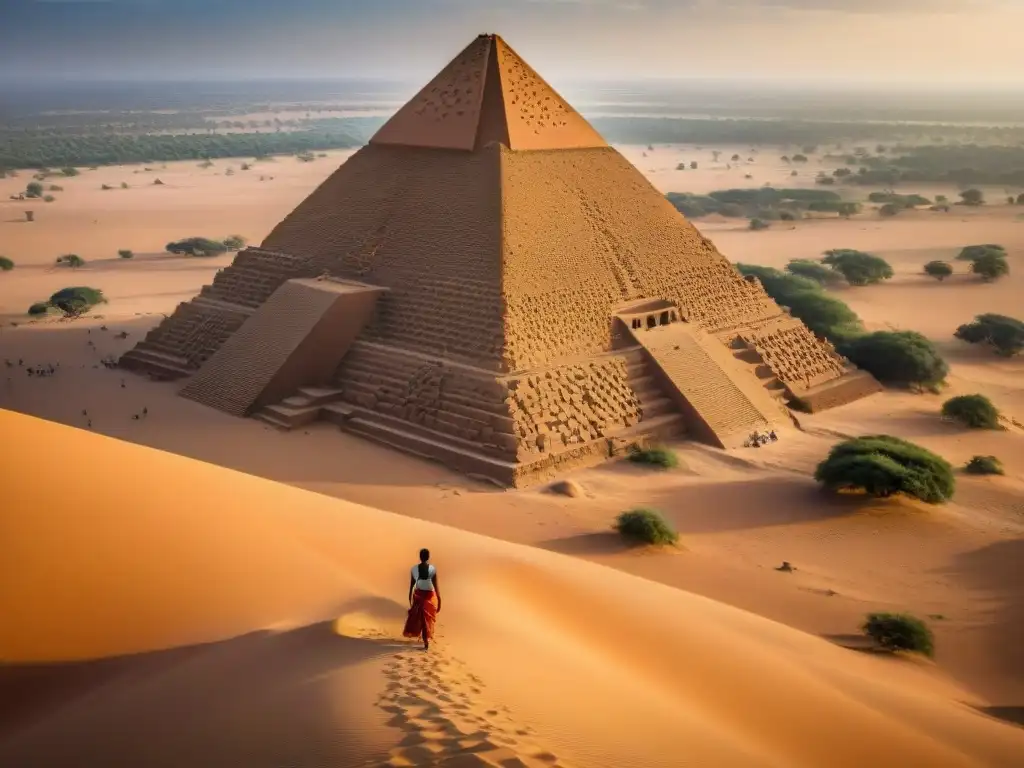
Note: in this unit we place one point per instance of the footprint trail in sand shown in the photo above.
(438, 704)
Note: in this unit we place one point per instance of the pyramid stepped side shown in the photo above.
(584, 231)
(426, 225)
(722, 406)
(182, 342)
(296, 338)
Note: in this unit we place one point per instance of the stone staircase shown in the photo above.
(730, 401)
(660, 418)
(304, 407)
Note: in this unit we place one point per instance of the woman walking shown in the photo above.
(424, 600)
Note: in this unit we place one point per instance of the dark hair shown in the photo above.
(424, 568)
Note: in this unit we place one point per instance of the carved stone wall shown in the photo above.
(796, 356)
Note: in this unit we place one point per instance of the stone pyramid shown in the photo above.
(527, 301)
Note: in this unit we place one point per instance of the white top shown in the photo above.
(425, 584)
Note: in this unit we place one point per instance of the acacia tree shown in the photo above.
(858, 267)
(972, 197)
(940, 270)
(991, 266)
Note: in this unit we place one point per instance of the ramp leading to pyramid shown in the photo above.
(297, 337)
(710, 387)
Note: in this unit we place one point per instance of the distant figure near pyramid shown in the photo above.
(489, 284)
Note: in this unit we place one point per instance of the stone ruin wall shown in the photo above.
(796, 356)
(542, 419)
(424, 223)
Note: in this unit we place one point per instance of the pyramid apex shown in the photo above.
(488, 93)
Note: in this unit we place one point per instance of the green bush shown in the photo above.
(758, 224)
(991, 266)
(76, 299)
(197, 246)
(72, 260)
(1004, 334)
(900, 632)
(984, 465)
(787, 216)
(234, 242)
(901, 358)
(657, 456)
(940, 270)
(48, 198)
(889, 209)
(972, 252)
(69, 171)
(825, 315)
(814, 270)
(882, 466)
(972, 197)
(39, 308)
(55, 188)
(33, 189)
(974, 411)
(858, 267)
(645, 526)
(124, 253)
(6, 265)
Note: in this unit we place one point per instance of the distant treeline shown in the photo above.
(43, 150)
(957, 164)
(783, 133)
(764, 203)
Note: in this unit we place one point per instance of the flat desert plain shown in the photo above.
(261, 619)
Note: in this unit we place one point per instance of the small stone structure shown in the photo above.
(546, 306)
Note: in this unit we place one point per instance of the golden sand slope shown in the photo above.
(108, 548)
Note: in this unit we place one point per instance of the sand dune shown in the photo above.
(261, 622)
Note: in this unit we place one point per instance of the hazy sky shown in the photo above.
(908, 40)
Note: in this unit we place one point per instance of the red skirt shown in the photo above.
(423, 613)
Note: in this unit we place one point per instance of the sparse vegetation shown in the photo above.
(757, 225)
(6, 265)
(48, 198)
(124, 185)
(973, 411)
(234, 242)
(901, 201)
(305, 157)
(124, 253)
(825, 315)
(984, 465)
(76, 300)
(889, 210)
(655, 456)
(69, 171)
(1004, 334)
(55, 188)
(33, 189)
(72, 260)
(196, 246)
(858, 267)
(645, 526)
(106, 187)
(990, 266)
(764, 203)
(940, 270)
(900, 632)
(883, 466)
(975, 252)
(897, 358)
(40, 308)
(972, 197)
(816, 271)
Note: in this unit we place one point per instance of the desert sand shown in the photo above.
(739, 515)
(232, 619)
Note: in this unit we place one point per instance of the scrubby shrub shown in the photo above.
(984, 465)
(899, 632)
(33, 189)
(974, 411)
(940, 270)
(858, 267)
(77, 299)
(72, 260)
(69, 171)
(973, 252)
(657, 456)
(124, 185)
(306, 157)
(991, 266)
(825, 315)
(645, 526)
(125, 254)
(106, 187)
(1004, 334)
(814, 270)
(889, 209)
(901, 358)
(787, 216)
(234, 242)
(55, 188)
(48, 198)
(758, 224)
(972, 197)
(39, 308)
(196, 246)
(6, 265)
(882, 466)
